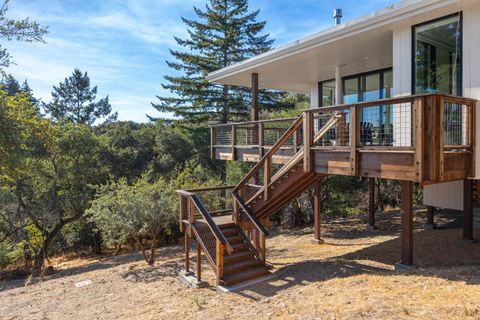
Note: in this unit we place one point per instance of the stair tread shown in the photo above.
(245, 275)
(241, 265)
(234, 239)
(239, 245)
(237, 255)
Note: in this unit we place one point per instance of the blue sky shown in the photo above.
(123, 44)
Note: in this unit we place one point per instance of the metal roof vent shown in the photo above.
(337, 16)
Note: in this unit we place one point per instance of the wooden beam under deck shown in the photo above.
(406, 208)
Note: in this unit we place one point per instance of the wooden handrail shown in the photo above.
(217, 188)
(251, 217)
(299, 155)
(208, 218)
(270, 152)
(220, 125)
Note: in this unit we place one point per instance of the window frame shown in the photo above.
(414, 42)
(362, 81)
(320, 92)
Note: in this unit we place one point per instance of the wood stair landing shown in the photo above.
(241, 265)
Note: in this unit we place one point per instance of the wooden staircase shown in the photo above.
(234, 240)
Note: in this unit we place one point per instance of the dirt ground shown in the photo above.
(351, 276)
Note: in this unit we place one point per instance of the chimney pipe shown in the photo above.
(337, 16)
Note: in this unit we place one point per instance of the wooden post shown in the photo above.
(468, 209)
(307, 141)
(295, 142)
(234, 143)
(261, 139)
(371, 204)
(430, 225)
(199, 262)
(263, 248)
(341, 131)
(317, 210)
(187, 253)
(191, 217)
(419, 137)
(407, 225)
(254, 109)
(219, 258)
(353, 141)
(267, 170)
(213, 141)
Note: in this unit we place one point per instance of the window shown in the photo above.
(376, 121)
(327, 93)
(438, 56)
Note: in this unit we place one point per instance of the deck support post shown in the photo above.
(199, 263)
(317, 210)
(468, 209)
(187, 254)
(371, 205)
(430, 225)
(406, 237)
(254, 109)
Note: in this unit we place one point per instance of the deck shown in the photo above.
(423, 138)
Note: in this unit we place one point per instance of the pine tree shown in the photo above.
(74, 100)
(225, 33)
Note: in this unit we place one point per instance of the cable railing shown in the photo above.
(427, 126)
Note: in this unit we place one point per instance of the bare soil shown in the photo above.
(351, 276)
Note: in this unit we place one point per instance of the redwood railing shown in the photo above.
(435, 127)
(201, 226)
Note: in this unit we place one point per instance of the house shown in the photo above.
(393, 96)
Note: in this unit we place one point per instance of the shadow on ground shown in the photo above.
(147, 274)
(438, 253)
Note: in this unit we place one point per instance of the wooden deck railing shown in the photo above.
(201, 226)
(430, 137)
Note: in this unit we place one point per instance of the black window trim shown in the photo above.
(413, 77)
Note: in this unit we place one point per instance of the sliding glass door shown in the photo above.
(376, 122)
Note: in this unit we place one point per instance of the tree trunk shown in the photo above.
(296, 217)
(39, 261)
(96, 243)
(153, 250)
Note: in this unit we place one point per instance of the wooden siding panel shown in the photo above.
(332, 162)
(397, 166)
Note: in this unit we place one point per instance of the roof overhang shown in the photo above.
(360, 45)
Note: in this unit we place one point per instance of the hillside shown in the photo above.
(349, 277)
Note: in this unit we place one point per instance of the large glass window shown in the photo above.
(327, 93)
(351, 90)
(438, 56)
(376, 121)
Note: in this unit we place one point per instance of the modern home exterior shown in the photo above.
(393, 95)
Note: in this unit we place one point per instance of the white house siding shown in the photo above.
(402, 85)
(314, 96)
(450, 195)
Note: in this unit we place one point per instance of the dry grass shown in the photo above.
(349, 277)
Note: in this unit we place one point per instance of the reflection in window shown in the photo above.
(376, 122)
(350, 87)
(438, 56)
(327, 93)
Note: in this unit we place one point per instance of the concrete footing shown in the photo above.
(404, 267)
(191, 281)
(430, 226)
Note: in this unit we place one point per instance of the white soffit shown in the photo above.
(360, 45)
